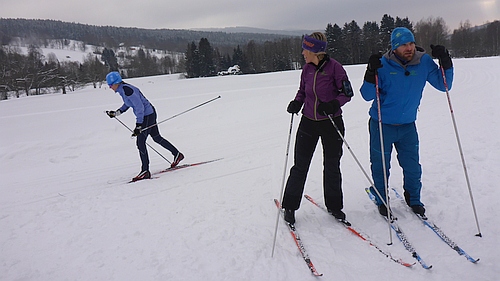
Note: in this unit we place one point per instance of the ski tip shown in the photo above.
(277, 202)
(406, 263)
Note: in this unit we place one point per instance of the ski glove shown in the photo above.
(294, 106)
(374, 64)
(137, 130)
(113, 114)
(330, 107)
(439, 52)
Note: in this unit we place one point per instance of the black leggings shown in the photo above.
(308, 135)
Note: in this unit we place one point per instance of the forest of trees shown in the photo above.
(111, 37)
(203, 60)
(349, 44)
(35, 73)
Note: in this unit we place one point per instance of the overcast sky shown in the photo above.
(268, 14)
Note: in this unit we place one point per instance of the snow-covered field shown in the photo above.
(72, 51)
(67, 213)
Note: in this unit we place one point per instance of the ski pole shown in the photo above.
(461, 151)
(356, 159)
(351, 151)
(382, 151)
(354, 156)
(146, 142)
(283, 183)
(172, 117)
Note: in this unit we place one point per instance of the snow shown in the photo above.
(72, 52)
(69, 52)
(67, 213)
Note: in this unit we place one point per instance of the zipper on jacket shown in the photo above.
(320, 67)
(315, 95)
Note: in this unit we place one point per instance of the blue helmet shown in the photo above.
(113, 78)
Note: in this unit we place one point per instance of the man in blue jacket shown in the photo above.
(145, 115)
(401, 74)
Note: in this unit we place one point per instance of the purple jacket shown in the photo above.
(321, 83)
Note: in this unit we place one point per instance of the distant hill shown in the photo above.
(111, 36)
(246, 29)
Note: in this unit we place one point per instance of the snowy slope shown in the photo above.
(66, 212)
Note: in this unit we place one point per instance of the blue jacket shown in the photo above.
(132, 97)
(401, 86)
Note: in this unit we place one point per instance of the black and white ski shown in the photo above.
(401, 236)
(298, 242)
(427, 222)
(360, 234)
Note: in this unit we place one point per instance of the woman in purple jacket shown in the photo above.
(324, 88)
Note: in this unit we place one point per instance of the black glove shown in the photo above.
(137, 130)
(113, 114)
(330, 107)
(374, 64)
(439, 52)
(294, 106)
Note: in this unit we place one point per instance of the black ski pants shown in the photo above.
(308, 134)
